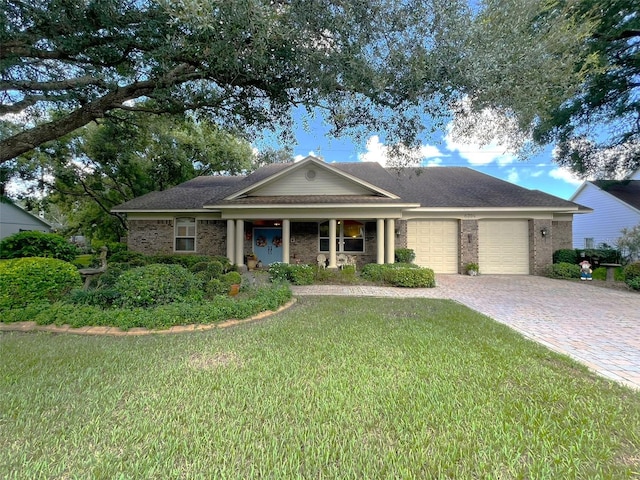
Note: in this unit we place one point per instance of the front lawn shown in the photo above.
(334, 387)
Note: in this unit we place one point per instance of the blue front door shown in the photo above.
(267, 245)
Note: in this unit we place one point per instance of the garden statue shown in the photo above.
(585, 270)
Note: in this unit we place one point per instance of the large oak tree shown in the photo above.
(366, 64)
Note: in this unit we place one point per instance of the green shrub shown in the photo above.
(404, 255)
(135, 259)
(98, 297)
(633, 283)
(565, 255)
(155, 284)
(410, 277)
(27, 280)
(186, 261)
(632, 275)
(563, 270)
(295, 274)
(268, 297)
(215, 287)
(38, 244)
(301, 274)
(373, 272)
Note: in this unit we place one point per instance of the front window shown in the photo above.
(349, 236)
(185, 234)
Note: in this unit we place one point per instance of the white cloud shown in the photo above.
(565, 175)
(513, 176)
(297, 158)
(376, 151)
(477, 154)
(537, 173)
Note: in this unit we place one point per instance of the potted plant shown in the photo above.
(252, 261)
(472, 269)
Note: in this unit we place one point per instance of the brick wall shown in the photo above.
(468, 241)
(540, 247)
(153, 237)
(562, 232)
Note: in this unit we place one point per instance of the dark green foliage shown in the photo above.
(400, 274)
(231, 278)
(566, 255)
(296, 274)
(215, 287)
(405, 255)
(38, 244)
(410, 277)
(114, 270)
(133, 258)
(98, 297)
(220, 308)
(186, 261)
(154, 285)
(563, 270)
(632, 275)
(27, 280)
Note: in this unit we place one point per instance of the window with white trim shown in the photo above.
(588, 243)
(349, 236)
(185, 234)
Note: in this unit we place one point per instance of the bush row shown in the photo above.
(269, 297)
(295, 274)
(38, 244)
(594, 256)
(400, 275)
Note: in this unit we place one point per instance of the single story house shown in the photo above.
(292, 213)
(615, 204)
(14, 219)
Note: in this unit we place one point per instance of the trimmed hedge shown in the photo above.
(38, 244)
(404, 255)
(32, 280)
(563, 270)
(400, 275)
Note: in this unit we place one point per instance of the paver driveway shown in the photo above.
(597, 326)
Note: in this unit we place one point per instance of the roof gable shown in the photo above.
(625, 191)
(310, 177)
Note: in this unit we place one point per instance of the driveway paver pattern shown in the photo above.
(599, 327)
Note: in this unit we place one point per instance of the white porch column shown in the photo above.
(231, 240)
(286, 240)
(333, 260)
(389, 241)
(239, 258)
(380, 241)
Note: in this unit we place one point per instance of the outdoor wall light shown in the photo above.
(543, 232)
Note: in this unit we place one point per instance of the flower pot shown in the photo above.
(234, 289)
(252, 263)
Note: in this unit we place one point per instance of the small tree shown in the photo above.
(629, 242)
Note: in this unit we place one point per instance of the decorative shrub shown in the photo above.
(231, 278)
(472, 267)
(154, 284)
(563, 270)
(632, 275)
(135, 259)
(376, 272)
(410, 277)
(301, 274)
(215, 287)
(38, 244)
(295, 274)
(186, 261)
(99, 297)
(565, 255)
(27, 280)
(405, 255)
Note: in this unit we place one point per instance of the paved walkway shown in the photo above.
(597, 326)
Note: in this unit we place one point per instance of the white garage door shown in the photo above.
(503, 246)
(435, 243)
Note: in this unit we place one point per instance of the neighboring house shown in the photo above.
(615, 204)
(292, 213)
(14, 219)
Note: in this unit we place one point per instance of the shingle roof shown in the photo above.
(627, 191)
(437, 187)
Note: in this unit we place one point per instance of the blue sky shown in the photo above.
(538, 172)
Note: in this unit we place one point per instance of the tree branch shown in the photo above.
(52, 85)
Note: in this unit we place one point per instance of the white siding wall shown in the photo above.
(14, 219)
(324, 183)
(608, 218)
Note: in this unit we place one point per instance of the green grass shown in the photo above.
(331, 388)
